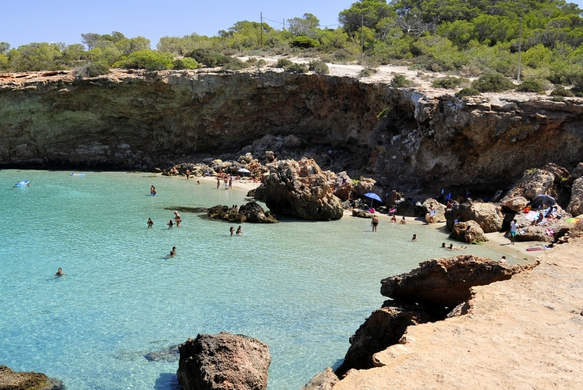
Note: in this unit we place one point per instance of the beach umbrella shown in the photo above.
(539, 200)
(244, 170)
(373, 196)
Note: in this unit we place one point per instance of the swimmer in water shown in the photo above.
(414, 237)
(150, 223)
(170, 224)
(60, 272)
(239, 231)
(173, 251)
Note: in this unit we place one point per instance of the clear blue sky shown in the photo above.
(26, 21)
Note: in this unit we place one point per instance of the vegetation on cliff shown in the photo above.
(465, 37)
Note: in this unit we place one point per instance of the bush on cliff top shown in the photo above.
(146, 59)
(91, 69)
(449, 82)
(493, 82)
(184, 63)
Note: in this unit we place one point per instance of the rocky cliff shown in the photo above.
(423, 139)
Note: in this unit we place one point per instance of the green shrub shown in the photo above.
(283, 63)
(235, 64)
(296, 68)
(184, 63)
(467, 92)
(368, 72)
(261, 63)
(530, 86)
(558, 99)
(318, 67)
(492, 82)
(92, 69)
(400, 81)
(343, 55)
(561, 91)
(448, 82)
(304, 42)
(209, 58)
(146, 59)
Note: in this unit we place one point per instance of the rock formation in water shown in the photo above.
(300, 189)
(10, 380)
(249, 212)
(223, 362)
(424, 139)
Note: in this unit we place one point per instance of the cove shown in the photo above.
(301, 287)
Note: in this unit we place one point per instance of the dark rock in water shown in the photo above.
(170, 354)
(10, 380)
(382, 329)
(300, 189)
(447, 281)
(249, 212)
(223, 362)
(182, 209)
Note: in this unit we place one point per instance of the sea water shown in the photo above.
(301, 287)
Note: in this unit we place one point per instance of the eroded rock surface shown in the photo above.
(447, 281)
(223, 362)
(300, 189)
(249, 212)
(11, 380)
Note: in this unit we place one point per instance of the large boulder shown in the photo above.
(575, 206)
(382, 329)
(11, 380)
(488, 215)
(431, 205)
(223, 361)
(534, 182)
(458, 232)
(447, 281)
(343, 186)
(300, 189)
(514, 204)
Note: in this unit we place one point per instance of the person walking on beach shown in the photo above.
(150, 223)
(513, 230)
(374, 222)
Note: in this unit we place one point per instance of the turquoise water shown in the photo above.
(301, 287)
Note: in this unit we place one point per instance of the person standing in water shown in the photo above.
(414, 237)
(150, 223)
(232, 230)
(173, 251)
(152, 190)
(374, 222)
(170, 224)
(177, 218)
(239, 231)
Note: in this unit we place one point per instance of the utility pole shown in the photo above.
(361, 39)
(261, 27)
(519, 47)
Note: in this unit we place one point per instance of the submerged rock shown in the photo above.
(223, 362)
(324, 380)
(170, 354)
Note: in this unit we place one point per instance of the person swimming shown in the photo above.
(60, 272)
(239, 231)
(170, 224)
(173, 251)
(414, 237)
(232, 230)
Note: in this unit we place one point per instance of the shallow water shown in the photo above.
(301, 287)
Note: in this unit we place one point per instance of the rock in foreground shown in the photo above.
(10, 380)
(223, 362)
(447, 281)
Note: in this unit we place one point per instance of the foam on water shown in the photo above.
(301, 287)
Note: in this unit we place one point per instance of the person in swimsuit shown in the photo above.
(394, 219)
(170, 224)
(153, 190)
(232, 230)
(173, 251)
(239, 231)
(150, 223)
(414, 237)
(403, 221)
(60, 272)
(375, 222)
(177, 218)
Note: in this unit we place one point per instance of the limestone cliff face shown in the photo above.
(139, 120)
